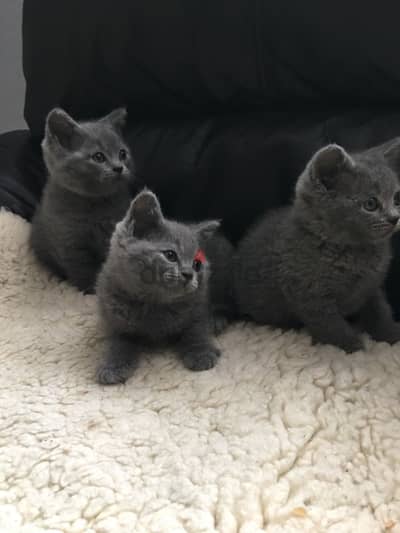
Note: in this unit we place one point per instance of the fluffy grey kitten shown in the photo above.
(153, 289)
(87, 192)
(321, 262)
(220, 253)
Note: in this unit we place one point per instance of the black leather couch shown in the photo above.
(227, 99)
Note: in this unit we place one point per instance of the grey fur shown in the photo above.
(220, 252)
(83, 199)
(321, 262)
(146, 298)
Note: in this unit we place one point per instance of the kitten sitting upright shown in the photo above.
(322, 262)
(86, 194)
(153, 288)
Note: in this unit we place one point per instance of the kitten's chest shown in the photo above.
(154, 323)
(98, 223)
(351, 276)
(103, 218)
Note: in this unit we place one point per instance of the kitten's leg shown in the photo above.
(219, 252)
(81, 269)
(196, 348)
(121, 360)
(327, 326)
(220, 319)
(377, 319)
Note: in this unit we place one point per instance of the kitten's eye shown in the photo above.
(197, 265)
(371, 204)
(123, 155)
(396, 199)
(171, 256)
(99, 157)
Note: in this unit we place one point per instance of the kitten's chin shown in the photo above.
(385, 233)
(90, 189)
(180, 293)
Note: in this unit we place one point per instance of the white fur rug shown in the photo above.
(280, 437)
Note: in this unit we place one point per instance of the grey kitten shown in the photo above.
(153, 289)
(87, 192)
(322, 262)
(220, 252)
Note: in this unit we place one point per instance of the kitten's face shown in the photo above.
(89, 158)
(159, 259)
(354, 198)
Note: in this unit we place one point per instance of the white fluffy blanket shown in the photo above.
(281, 436)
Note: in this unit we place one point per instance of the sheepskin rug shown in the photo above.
(280, 437)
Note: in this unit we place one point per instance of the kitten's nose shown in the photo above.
(118, 170)
(393, 219)
(188, 275)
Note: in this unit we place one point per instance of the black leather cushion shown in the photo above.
(22, 174)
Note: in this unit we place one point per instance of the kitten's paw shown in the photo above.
(390, 335)
(219, 322)
(89, 290)
(203, 360)
(111, 375)
(347, 344)
(352, 345)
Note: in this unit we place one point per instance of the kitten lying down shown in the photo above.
(153, 289)
(322, 262)
(86, 194)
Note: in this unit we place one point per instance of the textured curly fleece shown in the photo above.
(280, 437)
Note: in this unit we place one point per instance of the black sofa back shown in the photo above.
(185, 58)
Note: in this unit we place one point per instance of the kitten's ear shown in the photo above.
(63, 129)
(392, 155)
(328, 162)
(117, 118)
(144, 214)
(205, 230)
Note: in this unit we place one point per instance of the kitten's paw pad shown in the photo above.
(109, 375)
(202, 361)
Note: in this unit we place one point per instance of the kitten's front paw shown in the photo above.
(219, 322)
(352, 344)
(389, 334)
(110, 375)
(348, 344)
(203, 360)
(89, 290)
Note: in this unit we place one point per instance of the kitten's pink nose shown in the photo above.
(118, 170)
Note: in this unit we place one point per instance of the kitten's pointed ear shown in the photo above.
(206, 229)
(117, 118)
(328, 162)
(62, 128)
(392, 155)
(144, 214)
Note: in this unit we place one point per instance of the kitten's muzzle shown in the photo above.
(393, 219)
(187, 276)
(118, 170)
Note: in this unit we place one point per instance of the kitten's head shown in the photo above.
(351, 198)
(156, 258)
(88, 158)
